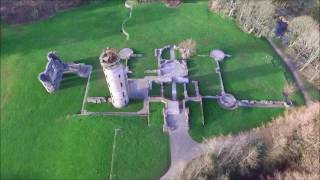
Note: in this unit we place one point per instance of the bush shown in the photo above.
(187, 48)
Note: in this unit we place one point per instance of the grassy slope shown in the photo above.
(40, 137)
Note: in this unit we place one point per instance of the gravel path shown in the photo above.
(183, 148)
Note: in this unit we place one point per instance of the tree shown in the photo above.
(289, 143)
(257, 17)
(172, 3)
(304, 43)
(289, 89)
(187, 48)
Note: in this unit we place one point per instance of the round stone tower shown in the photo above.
(116, 77)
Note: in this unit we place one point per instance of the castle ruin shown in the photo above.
(116, 77)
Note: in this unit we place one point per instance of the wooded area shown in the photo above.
(260, 17)
(287, 148)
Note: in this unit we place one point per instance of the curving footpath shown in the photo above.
(124, 22)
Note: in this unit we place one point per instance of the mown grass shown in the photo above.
(167, 88)
(128, 152)
(134, 105)
(166, 54)
(178, 54)
(195, 114)
(219, 121)
(180, 91)
(43, 138)
(191, 90)
(156, 90)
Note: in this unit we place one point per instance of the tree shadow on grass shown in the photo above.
(192, 70)
(220, 121)
(242, 94)
(71, 80)
(93, 61)
(242, 74)
(208, 84)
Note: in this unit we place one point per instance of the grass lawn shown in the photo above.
(202, 69)
(156, 90)
(221, 122)
(194, 115)
(191, 89)
(166, 54)
(42, 138)
(128, 161)
(167, 88)
(180, 92)
(134, 105)
(178, 54)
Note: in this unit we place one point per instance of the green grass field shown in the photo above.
(156, 90)
(191, 90)
(43, 138)
(167, 88)
(221, 122)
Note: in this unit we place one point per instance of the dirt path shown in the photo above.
(123, 24)
(288, 61)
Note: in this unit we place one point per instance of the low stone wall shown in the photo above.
(262, 103)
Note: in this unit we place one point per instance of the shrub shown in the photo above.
(187, 48)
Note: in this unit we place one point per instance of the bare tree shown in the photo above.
(304, 44)
(224, 7)
(289, 142)
(253, 16)
(257, 17)
(289, 89)
(187, 48)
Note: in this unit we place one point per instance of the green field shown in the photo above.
(156, 90)
(221, 122)
(43, 138)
